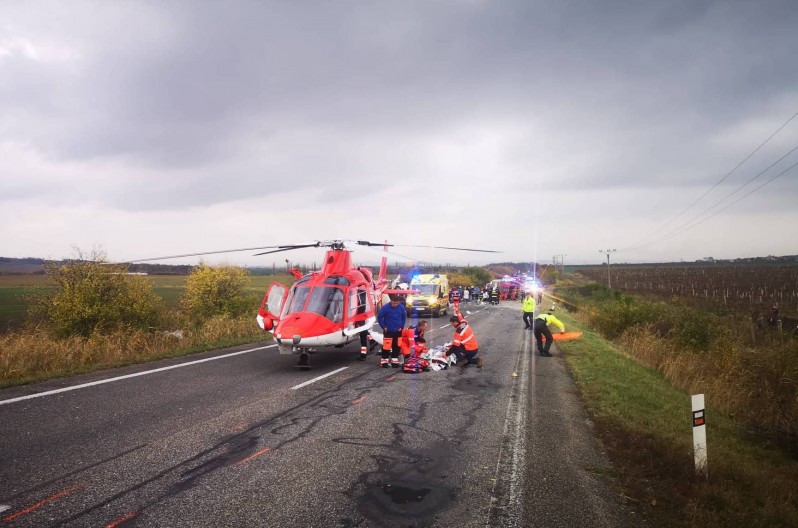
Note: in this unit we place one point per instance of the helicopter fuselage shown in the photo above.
(326, 308)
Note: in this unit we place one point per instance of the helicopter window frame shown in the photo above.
(351, 310)
(297, 299)
(327, 301)
(363, 301)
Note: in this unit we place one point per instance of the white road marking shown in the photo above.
(4, 507)
(514, 427)
(144, 373)
(469, 313)
(314, 380)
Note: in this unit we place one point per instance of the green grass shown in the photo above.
(645, 425)
(15, 288)
(13, 301)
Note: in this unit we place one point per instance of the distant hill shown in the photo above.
(26, 266)
(35, 266)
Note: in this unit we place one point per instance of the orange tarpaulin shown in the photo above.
(566, 336)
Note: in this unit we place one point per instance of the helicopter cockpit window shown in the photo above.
(296, 299)
(338, 281)
(327, 301)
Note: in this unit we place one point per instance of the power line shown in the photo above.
(639, 244)
(743, 186)
(696, 220)
(746, 195)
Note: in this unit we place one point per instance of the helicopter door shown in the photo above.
(360, 313)
(272, 305)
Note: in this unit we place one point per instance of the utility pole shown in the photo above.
(561, 263)
(608, 251)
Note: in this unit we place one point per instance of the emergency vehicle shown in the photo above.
(433, 296)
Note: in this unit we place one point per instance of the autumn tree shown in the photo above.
(91, 295)
(216, 290)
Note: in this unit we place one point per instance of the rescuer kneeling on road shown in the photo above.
(542, 323)
(464, 344)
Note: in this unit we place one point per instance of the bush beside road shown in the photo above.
(645, 424)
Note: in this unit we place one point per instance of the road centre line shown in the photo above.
(143, 373)
(314, 380)
(472, 313)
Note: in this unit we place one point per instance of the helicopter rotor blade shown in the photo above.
(367, 243)
(287, 248)
(198, 254)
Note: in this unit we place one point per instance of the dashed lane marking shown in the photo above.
(314, 380)
(467, 313)
(135, 375)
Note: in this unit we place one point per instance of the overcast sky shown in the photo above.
(532, 128)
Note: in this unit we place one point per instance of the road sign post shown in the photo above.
(700, 436)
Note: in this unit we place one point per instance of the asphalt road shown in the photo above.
(234, 442)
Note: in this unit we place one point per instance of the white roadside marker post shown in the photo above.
(700, 436)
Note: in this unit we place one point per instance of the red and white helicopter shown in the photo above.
(329, 308)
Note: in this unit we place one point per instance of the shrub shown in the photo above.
(460, 279)
(479, 276)
(92, 296)
(612, 318)
(214, 291)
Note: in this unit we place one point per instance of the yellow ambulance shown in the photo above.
(433, 296)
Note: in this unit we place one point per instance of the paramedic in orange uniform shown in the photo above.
(464, 343)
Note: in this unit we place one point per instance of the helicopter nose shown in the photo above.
(303, 326)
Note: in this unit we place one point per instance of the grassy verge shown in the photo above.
(32, 356)
(30, 353)
(645, 425)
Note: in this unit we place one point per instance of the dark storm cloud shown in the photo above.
(222, 102)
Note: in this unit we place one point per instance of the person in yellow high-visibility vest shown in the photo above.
(541, 330)
(528, 309)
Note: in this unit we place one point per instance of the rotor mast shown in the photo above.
(337, 261)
